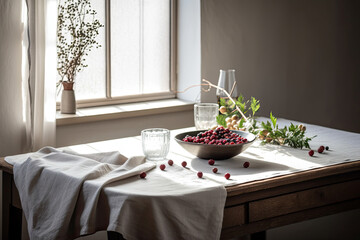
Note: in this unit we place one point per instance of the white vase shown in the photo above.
(68, 102)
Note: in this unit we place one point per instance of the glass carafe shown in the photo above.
(227, 81)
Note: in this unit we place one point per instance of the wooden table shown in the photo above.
(251, 208)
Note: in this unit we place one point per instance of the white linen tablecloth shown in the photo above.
(65, 195)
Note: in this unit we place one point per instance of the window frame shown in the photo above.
(108, 100)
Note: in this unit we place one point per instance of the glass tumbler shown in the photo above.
(205, 115)
(155, 143)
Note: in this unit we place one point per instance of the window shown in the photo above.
(135, 62)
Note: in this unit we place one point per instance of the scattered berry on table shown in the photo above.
(200, 174)
(215, 170)
(327, 148)
(184, 164)
(162, 167)
(211, 162)
(170, 162)
(143, 175)
(227, 175)
(219, 136)
(246, 164)
(321, 149)
(311, 153)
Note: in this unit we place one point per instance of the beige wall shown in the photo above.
(112, 129)
(300, 58)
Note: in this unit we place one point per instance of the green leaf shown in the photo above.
(255, 105)
(241, 123)
(222, 102)
(273, 120)
(220, 119)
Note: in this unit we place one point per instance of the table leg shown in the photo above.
(258, 236)
(11, 216)
(15, 223)
(114, 236)
(6, 202)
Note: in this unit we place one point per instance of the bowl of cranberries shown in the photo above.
(218, 144)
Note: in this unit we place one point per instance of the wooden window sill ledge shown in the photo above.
(93, 114)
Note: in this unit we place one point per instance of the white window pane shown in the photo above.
(140, 46)
(125, 47)
(156, 46)
(90, 83)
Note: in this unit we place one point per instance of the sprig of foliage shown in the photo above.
(293, 135)
(77, 29)
(268, 132)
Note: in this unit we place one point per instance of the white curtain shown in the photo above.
(43, 111)
(27, 74)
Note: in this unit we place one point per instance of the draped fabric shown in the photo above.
(44, 84)
(27, 75)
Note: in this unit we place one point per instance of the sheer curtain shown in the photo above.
(43, 109)
(28, 75)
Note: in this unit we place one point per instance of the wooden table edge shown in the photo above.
(6, 167)
(295, 177)
(268, 182)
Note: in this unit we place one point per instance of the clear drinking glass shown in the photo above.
(155, 143)
(205, 115)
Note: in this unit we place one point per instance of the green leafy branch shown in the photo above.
(268, 132)
(293, 135)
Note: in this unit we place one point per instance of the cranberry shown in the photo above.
(215, 170)
(227, 175)
(311, 153)
(200, 174)
(246, 164)
(162, 167)
(170, 162)
(327, 148)
(142, 174)
(211, 162)
(184, 164)
(321, 149)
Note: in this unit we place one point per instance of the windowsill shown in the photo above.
(93, 114)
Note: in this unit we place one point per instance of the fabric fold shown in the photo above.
(57, 187)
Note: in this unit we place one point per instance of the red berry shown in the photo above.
(211, 162)
(162, 167)
(184, 164)
(170, 162)
(321, 149)
(311, 153)
(227, 175)
(246, 164)
(215, 170)
(142, 174)
(200, 174)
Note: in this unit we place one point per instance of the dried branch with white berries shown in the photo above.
(210, 85)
